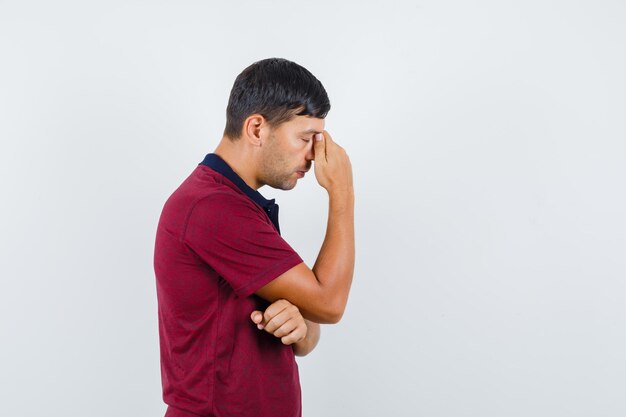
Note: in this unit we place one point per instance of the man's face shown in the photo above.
(288, 152)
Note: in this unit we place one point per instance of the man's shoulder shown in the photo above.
(205, 189)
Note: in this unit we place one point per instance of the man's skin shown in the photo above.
(278, 156)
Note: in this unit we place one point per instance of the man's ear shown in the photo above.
(254, 129)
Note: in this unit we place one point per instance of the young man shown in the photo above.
(236, 302)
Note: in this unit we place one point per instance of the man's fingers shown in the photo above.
(262, 318)
(281, 318)
(295, 336)
(287, 327)
(274, 309)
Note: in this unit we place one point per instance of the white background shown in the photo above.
(487, 143)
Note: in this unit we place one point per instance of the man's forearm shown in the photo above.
(334, 266)
(306, 345)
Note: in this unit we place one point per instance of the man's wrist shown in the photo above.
(341, 192)
(341, 199)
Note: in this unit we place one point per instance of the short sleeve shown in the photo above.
(235, 238)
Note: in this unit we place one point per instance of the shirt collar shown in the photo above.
(270, 207)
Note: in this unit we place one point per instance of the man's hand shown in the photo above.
(333, 169)
(282, 319)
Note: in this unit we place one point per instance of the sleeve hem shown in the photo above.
(267, 276)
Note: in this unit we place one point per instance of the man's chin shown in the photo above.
(285, 186)
(290, 186)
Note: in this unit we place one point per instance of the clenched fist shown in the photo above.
(282, 319)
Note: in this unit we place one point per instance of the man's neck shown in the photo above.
(240, 159)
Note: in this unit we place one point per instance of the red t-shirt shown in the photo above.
(214, 248)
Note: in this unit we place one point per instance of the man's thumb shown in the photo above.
(256, 316)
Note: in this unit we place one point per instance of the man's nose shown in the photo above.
(310, 155)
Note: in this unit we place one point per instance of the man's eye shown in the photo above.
(306, 140)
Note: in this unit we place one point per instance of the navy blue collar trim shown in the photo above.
(216, 163)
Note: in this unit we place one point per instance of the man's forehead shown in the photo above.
(309, 125)
(308, 131)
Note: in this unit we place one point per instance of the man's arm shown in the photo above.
(321, 293)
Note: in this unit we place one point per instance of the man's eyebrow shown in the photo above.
(310, 131)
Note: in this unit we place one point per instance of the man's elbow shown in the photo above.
(326, 313)
(328, 307)
(335, 313)
(339, 315)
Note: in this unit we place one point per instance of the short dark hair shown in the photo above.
(277, 89)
